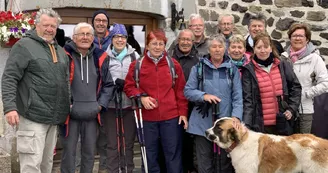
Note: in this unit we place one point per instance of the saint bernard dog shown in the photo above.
(253, 152)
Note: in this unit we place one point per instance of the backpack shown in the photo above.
(170, 63)
(200, 74)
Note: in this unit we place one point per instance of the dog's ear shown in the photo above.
(232, 132)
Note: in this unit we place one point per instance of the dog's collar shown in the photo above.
(234, 144)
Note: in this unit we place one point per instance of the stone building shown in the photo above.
(151, 14)
(157, 13)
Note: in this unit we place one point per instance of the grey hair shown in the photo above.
(237, 38)
(196, 16)
(217, 37)
(49, 12)
(187, 30)
(226, 15)
(82, 25)
(258, 16)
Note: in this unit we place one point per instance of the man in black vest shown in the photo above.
(187, 55)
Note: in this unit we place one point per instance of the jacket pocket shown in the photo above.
(26, 142)
(85, 110)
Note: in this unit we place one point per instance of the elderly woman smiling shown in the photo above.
(237, 51)
(310, 70)
(219, 84)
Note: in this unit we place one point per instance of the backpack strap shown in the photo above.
(133, 56)
(137, 71)
(200, 77)
(172, 70)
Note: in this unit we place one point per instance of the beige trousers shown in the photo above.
(35, 146)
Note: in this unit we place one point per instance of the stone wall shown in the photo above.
(280, 14)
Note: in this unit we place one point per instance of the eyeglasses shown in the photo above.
(196, 25)
(123, 37)
(226, 24)
(186, 39)
(298, 36)
(81, 35)
(101, 20)
(154, 44)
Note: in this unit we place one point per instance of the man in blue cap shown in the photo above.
(100, 23)
(102, 39)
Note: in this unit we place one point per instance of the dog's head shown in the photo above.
(224, 134)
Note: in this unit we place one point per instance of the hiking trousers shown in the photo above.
(35, 146)
(88, 133)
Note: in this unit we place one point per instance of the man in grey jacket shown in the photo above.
(35, 92)
(92, 88)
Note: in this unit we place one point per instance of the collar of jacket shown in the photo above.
(226, 63)
(178, 54)
(202, 41)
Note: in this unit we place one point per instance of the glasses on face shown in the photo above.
(160, 44)
(196, 25)
(186, 39)
(226, 24)
(81, 35)
(123, 37)
(298, 36)
(101, 20)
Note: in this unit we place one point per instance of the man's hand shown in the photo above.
(12, 118)
(184, 120)
(211, 98)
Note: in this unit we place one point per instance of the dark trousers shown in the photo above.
(88, 132)
(129, 134)
(169, 134)
(102, 147)
(206, 160)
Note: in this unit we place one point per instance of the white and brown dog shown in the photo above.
(253, 152)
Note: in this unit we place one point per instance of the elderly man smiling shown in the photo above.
(91, 88)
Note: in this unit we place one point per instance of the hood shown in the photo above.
(310, 48)
(226, 63)
(129, 47)
(71, 49)
(52, 47)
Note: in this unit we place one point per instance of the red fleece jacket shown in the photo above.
(156, 82)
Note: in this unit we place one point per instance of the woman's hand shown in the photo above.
(211, 98)
(148, 103)
(184, 120)
(236, 123)
(288, 114)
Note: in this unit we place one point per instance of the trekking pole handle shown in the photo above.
(139, 102)
(133, 103)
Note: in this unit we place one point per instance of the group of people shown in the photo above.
(86, 88)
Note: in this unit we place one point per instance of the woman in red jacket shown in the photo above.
(164, 105)
(271, 90)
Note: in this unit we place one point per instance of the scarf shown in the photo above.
(294, 56)
(266, 62)
(121, 55)
(238, 63)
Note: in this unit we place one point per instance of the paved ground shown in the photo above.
(137, 161)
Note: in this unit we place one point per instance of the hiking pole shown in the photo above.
(118, 130)
(142, 134)
(215, 112)
(122, 130)
(134, 107)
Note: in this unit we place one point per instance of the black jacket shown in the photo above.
(276, 43)
(186, 62)
(253, 114)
